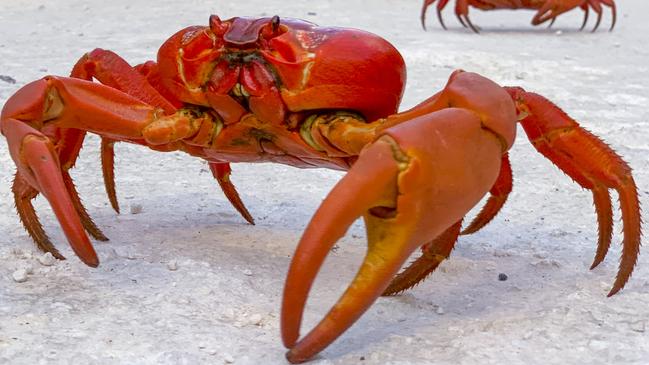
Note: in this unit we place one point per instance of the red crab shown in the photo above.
(248, 90)
(546, 10)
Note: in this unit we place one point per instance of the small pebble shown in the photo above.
(172, 265)
(502, 277)
(22, 254)
(47, 259)
(136, 209)
(20, 275)
(7, 79)
(501, 253)
(639, 326)
(228, 358)
(598, 345)
(247, 272)
(439, 310)
(256, 319)
(125, 253)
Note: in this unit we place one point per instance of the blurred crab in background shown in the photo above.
(546, 10)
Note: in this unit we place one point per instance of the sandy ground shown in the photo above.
(184, 280)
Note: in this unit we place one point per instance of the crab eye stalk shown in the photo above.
(274, 23)
(217, 26)
(273, 28)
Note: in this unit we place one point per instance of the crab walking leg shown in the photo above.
(86, 221)
(112, 70)
(68, 147)
(68, 143)
(610, 4)
(432, 254)
(598, 10)
(586, 10)
(23, 195)
(108, 170)
(64, 103)
(597, 7)
(415, 181)
(462, 13)
(604, 209)
(593, 165)
(551, 9)
(497, 198)
(440, 6)
(221, 172)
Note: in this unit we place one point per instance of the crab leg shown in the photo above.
(23, 195)
(597, 7)
(68, 146)
(38, 165)
(593, 165)
(108, 170)
(462, 13)
(433, 253)
(221, 172)
(141, 82)
(551, 9)
(497, 198)
(55, 103)
(111, 70)
(586, 10)
(440, 6)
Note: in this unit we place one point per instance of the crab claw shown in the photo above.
(39, 170)
(416, 180)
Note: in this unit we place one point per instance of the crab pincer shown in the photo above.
(405, 201)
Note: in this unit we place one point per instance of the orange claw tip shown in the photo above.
(86, 254)
(92, 261)
(294, 357)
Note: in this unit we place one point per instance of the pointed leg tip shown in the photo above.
(249, 219)
(389, 292)
(596, 262)
(58, 256)
(613, 292)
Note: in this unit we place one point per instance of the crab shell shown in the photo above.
(312, 67)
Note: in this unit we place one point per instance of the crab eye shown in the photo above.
(274, 22)
(217, 26)
(273, 29)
